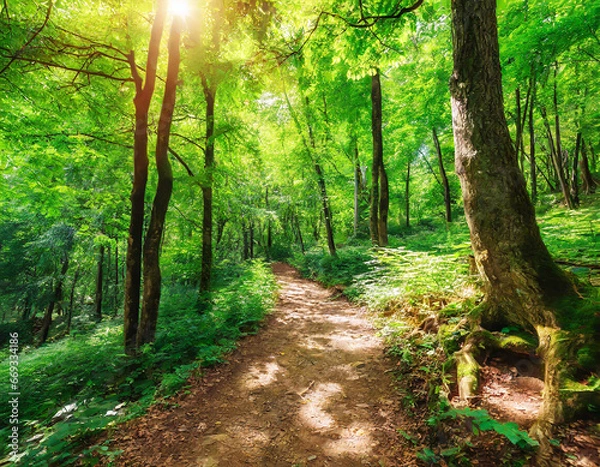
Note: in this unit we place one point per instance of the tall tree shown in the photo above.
(380, 198)
(522, 283)
(154, 235)
(143, 97)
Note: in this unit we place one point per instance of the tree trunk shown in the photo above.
(384, 206)
(207, 190)
(312, 151)
(444, 176)
(519, 135)
(521, 281)
(587, 181)
(376, 123)
(574, 185)
(357, 176)
(299, 233)
(532, 163)
(251, 239)
(558, 155)
(326, 209)
(269, 228)
(152, 275)
(407, 195)
(143, 97)
(99, 285)
(71, 300)
(54, 300)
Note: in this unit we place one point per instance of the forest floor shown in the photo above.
(313, 388)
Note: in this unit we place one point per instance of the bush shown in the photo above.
(334, 270)
(90, 370)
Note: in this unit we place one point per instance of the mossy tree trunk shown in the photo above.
(521, 281)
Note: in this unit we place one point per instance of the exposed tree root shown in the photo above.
(563, 399)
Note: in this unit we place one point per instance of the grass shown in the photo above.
(103, 386)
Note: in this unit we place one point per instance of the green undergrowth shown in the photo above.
(423, 280)
(334, 270)
(89, 372)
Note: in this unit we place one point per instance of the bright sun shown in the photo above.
(179, 8)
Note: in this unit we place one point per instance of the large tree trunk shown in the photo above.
(143, 97)
(444, 176)
(376, 123)
(207, 190)
(152, 275)
(520, 279)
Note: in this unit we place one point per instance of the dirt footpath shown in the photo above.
(311, 389)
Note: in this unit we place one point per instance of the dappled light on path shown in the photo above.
(311, 389)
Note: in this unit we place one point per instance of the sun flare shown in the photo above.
(179, 8)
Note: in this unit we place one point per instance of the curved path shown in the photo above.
(311, 389)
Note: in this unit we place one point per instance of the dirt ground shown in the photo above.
(313, 388)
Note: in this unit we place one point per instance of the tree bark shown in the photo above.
(152, 274)
(444, 177)
(207, 189)
(521, 281)
(376, 131)
(143, 97)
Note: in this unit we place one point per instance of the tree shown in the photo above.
(522, 283)
(380, 197)
(164, 188)
(143, 97)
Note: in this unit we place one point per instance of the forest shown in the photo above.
(209, 208)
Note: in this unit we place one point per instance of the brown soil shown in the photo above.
(311, 389)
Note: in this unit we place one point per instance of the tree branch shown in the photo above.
(182, 162)
(31, 39)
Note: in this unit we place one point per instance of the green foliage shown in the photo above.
(480, 421)
(342, 269)
(401, 278)
(90, 370)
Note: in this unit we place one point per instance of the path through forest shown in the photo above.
(311, 389)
